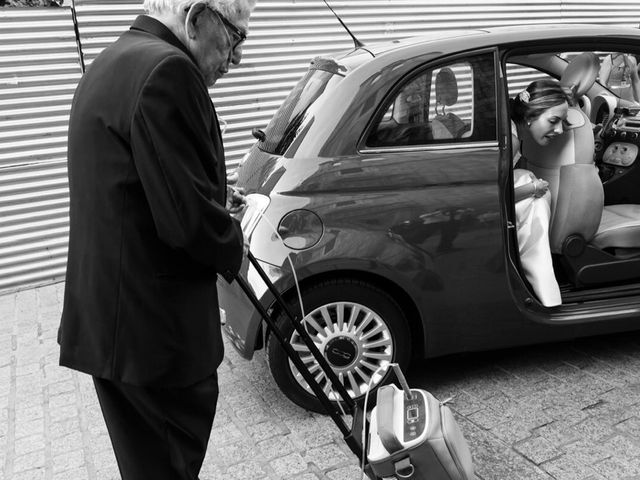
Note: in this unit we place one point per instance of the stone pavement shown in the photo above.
(565, 411)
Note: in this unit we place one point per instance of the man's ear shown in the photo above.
(195, 17)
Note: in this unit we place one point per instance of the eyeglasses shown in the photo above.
(238, 35)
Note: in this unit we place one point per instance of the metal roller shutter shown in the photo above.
(39, 71)
(621, 12)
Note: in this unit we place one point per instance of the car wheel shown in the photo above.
(358, 328)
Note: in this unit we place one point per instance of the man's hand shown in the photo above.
(236, 199)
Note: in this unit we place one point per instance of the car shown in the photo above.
(380, 203)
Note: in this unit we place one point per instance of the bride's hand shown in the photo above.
(540, 187)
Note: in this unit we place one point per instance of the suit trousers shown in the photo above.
(158, 433)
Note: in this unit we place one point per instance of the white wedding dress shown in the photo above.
(532, 224)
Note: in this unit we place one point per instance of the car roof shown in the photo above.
(509, 34)
(446, 42)
(394, 59)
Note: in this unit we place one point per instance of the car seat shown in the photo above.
(447, 125)
(598, 244)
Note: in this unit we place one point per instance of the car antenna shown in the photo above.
(357, 43)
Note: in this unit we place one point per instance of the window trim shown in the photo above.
(431, 147)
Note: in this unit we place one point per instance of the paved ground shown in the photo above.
(565, 411)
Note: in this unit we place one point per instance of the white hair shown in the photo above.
(228, 8)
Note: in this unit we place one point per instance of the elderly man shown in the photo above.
(150, 229)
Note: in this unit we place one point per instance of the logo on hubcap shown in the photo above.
(341, 351)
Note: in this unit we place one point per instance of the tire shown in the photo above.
(355, 357)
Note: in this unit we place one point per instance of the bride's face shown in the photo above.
(549, 124)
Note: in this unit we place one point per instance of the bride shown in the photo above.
(538, 114)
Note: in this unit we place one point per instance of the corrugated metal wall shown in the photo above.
(39, 70)
(286, 34)
(619, 12)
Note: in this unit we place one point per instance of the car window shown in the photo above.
(323, 75)
(519, 77)
(452, 103)
(618, 82)
(521, 69)
(618, 73)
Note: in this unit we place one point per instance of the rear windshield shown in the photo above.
(286, 122)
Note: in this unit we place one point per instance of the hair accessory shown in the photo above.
(524, 96)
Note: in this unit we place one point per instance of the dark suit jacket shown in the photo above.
(148, 228)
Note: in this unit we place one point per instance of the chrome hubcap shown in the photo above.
(355, 341)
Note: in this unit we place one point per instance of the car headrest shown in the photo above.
(446, 87)
(581, 73)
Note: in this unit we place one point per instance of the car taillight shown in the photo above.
(256, 205)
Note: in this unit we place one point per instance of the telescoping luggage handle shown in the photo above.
(350, 434)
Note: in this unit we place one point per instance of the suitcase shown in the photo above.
(414, 435)
(410, 436)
